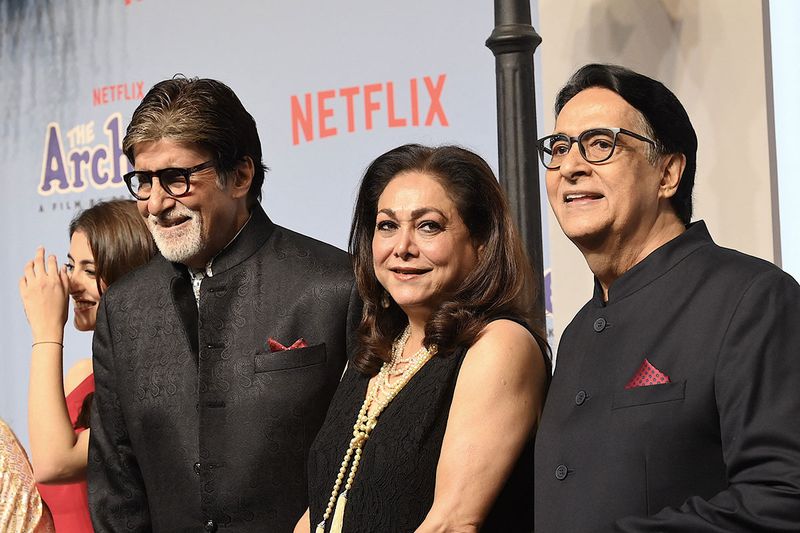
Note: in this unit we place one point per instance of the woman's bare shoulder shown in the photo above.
(78, 372)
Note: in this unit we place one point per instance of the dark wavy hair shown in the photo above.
(501, 284)
(664, 116)
(120, 242)
(118, 237)
(204, 112)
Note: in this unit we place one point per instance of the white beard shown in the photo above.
(181, 244)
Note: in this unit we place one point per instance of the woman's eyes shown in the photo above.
(385, 225)
(427, 227)
(88, 271)
(430, 226)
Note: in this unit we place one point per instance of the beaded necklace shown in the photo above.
(366, 422)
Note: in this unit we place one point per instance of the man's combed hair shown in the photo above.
(663, 114)
(501, 284)
(203, 112)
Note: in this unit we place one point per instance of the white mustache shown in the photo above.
(171, 216)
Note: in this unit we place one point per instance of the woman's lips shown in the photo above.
(83, 305)
(408, 273)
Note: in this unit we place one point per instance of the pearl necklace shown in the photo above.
(366, 422)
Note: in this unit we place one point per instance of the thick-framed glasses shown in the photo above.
(595, 145)
(174, 181)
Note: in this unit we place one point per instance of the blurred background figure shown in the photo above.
(21, 507)
(448, 379)
(106, 241)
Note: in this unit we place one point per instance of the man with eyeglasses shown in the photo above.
(215, 363)
(674, 404)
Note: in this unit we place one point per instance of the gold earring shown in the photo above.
(385, 300)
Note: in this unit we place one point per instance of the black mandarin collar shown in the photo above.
(652, 267)
(251, 237)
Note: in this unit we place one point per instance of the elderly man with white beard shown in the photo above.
(214, 363)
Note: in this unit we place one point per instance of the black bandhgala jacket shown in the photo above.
(717, 448)
(197, 424)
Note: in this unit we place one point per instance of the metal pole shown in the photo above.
(513, 42)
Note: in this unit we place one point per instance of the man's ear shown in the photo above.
(671, 172)
(242, 177)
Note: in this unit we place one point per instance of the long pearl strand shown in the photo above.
(366, 422)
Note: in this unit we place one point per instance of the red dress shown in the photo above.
(69, 502)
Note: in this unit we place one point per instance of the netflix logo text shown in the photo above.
(416, 102)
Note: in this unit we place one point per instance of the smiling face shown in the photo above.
(610, 201)
(195, 227)
(421, 249)
(83, 282)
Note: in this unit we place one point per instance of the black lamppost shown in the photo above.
(513, 42)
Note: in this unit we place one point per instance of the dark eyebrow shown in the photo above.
(416, 213)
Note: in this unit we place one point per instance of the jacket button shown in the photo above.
(210, 526)
(599, 324)
(197, 468)
(561, 472)
(580, 397)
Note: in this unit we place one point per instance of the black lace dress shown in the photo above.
(393, 488)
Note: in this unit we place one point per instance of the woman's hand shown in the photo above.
(57, 454)
(45, 294)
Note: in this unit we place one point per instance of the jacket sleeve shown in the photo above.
(117, 499)
(756, 383)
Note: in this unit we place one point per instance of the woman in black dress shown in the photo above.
(431, 428)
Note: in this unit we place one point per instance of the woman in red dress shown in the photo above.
(106, 241)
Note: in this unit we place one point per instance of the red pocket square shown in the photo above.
(647, 375)
(275, 346)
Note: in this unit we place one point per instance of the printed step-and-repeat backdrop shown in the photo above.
(331, 85)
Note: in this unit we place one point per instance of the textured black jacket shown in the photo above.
(196, 424)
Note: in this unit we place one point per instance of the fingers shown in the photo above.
(64, 278)
(52, 265)
(38, 267)
(29, 274)
(38, 261)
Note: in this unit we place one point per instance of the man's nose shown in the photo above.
(159, 200)
(573, 165)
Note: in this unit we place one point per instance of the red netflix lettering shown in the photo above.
(394, 122)
(120, 91)
(435, 108)
(349, 93)
(302, 119)
(369, 105)
(326, 113)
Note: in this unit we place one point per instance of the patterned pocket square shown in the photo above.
(275, 346)
(647, 375)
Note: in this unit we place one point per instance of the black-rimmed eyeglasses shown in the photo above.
(595, 145)
(174, 181)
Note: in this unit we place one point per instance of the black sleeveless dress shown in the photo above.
(393, 487)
